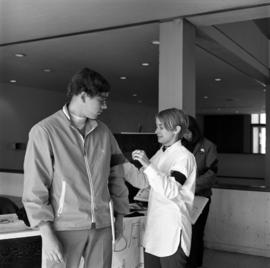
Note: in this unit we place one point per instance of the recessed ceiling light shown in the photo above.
(20, 55)
(123, 77)
(47, 70)
(218, 79)
(145, 64)
(205, 97)
(155, 42)
(134, 95)
(12, 81)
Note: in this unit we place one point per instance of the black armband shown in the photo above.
(179, 177)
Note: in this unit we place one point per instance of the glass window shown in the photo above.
(258, 122)
(255, 144)
(263, 140)
(254, 119)
(262, 118)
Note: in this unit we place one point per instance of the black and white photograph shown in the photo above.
(135, 133)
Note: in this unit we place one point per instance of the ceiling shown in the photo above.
(264, 25)
(114, 37)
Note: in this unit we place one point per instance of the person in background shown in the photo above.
(69, 178)
(206, 158)
(171, 175)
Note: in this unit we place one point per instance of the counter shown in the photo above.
(20, 246)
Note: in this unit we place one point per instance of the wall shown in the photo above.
(269, 54)
(126, 117)
(22, 107)
(11, 184)
(242, 165)
(239, 221)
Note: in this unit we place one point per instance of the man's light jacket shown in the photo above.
(69, 179)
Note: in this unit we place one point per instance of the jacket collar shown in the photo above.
(198, 147)
(66, 112)
(90, 124)
(171, 147)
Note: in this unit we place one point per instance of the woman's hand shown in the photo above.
(141, 156)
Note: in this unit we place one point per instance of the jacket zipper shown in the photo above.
(91, 186)
(93, 218)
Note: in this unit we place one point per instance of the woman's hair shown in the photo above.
(171, 118)
(195, 130)
(190, 141)
(89, 81)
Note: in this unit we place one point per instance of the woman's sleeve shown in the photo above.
(135, 176)
(179, 185)
(117, 187)
(207, 177)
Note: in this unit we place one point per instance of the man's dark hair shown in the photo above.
(89, 81)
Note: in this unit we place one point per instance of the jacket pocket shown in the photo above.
(62, 199)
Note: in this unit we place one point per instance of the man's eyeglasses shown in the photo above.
(102, 100)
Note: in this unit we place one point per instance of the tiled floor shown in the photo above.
(223, 259)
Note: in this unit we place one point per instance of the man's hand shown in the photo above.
(51, 247)
(118, 226)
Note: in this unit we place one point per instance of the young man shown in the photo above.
(70, 177)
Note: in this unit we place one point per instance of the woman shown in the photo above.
(206, 159)
(171, 174)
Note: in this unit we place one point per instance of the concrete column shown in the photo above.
(177, 66)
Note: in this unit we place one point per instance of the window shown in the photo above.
(258, 122)
(231, 133)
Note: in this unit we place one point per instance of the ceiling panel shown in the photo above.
(48, 33)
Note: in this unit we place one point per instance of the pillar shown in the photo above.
(177, 66)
